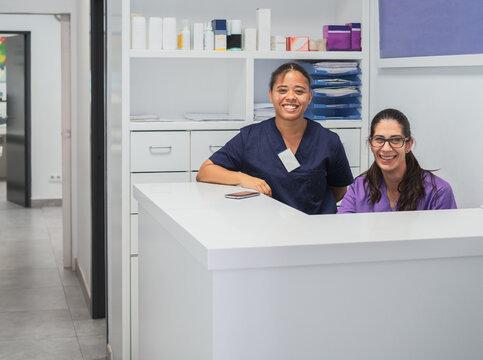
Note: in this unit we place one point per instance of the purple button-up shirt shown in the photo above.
(357, 199)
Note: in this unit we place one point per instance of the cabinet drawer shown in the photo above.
(160, 151)
(351, 139)
(145, 178)
(205, 143)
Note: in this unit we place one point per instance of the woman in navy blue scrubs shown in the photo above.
(288, 157)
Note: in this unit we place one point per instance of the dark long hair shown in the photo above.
(411, 187)
(285, 68)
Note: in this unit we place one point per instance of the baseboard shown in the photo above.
(38, 203)
(109, 352)
(85, 289)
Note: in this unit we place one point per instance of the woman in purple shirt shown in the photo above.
(395, 181)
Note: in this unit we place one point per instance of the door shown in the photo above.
(18, 119)
(98, 168)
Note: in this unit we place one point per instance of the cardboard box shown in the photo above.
(338, 37)
(297, 43)
(218, 25)
(278, 43)
(250, 39)
(263, 29)
(355, 36)
(220, 40)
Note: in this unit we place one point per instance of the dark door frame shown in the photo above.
(98, 164)
(27, 104)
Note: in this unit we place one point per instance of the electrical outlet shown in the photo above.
(55, 178)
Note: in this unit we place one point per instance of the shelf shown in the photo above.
(432, 61)
(224, 125)
(299, 55)
(186, 125)
(308, 55)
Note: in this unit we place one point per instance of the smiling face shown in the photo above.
(290, 95)
(390, 159)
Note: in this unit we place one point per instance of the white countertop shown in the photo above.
(258, 232)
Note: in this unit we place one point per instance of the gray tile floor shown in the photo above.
(43, 314)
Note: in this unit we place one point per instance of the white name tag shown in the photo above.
(289, 160)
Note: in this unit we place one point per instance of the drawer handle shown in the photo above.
(214, 148)
(159, 149)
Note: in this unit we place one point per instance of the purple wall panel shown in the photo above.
(411, 28)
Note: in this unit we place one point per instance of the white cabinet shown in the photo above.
(206, 143)
(134, 307)
(170, 84)
(160, 151)
(188, 84)
(163, 156)
(178, 152)
(155, 177)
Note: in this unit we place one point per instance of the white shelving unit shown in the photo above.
(288, 55)
(172, 83)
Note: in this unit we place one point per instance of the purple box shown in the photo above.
(355, 36)
(338, 37)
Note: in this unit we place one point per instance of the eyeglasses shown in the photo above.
(395, 142)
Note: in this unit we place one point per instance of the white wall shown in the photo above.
(37, 7)
(118, 238)
(45, 101)
(82, 151)
(443, 105)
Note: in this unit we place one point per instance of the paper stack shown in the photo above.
(263, 111)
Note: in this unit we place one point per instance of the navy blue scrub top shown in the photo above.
(323, 163)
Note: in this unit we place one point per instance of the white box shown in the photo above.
(250, 39)
(170, 40)
(220, 42)
(278, 43)
(138, 32)
(197, 34)
(155, 33)
(263, 29)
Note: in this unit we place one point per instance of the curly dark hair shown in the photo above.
(411, 187)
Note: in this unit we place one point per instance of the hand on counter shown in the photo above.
(251, 182)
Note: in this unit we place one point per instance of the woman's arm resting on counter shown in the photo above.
(212, 173)
(338, 192)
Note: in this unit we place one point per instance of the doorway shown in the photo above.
(18, 142)
(42, 175)
(94, 266)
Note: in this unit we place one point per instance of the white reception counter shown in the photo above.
(255, 279)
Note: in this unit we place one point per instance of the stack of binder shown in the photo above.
(336, 90)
